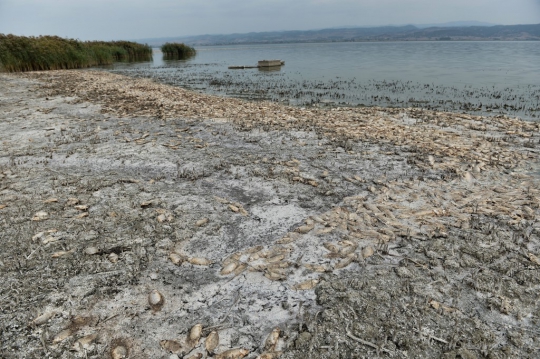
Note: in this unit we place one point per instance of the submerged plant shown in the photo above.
(21, 53)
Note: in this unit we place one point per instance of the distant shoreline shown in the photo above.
(358, 41)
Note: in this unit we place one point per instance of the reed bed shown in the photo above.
(21, 53)
(177, 50)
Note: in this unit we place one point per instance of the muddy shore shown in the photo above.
(132, 211)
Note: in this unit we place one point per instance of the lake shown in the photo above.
(474, 77)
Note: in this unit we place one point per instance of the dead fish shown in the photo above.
(347, 243)
(331, 247)
(316, 267)
(176, 258)
(285, 240)
(81, 207)
(345, 262)
(233, 354)
(72, 201)
(61, 253)
(272, 340)
(241, 268)
(171, 346)
(2, 206)
(367, 252)
(534, 259)
(40, 216)
(274, 275)
(308, 284)
(113, 257)
(211, 342)
(229, 268)
(43, 318)
(51, 200)
(201, 222)
(82, 215)
(221, 200)
(62, 336)
(119, 352)
(243, 212)
(253, 249)
(255, 256)
(275, 259)
(50, 239)
(325, 230)
(233, 208)
(333, 255)
(194, 335)
(156, 300)
(304, 229)
(235, 257)
(278, 265)
(84, 342)
(200, 261)
(318, 219)
(146, 204)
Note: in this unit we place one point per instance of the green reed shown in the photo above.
(177, 50)
(21, 53)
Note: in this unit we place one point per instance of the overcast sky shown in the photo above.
(137, 19)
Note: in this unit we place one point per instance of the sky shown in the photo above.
(138, 19)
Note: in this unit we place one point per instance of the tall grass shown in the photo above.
(20, 53)
(176, 50)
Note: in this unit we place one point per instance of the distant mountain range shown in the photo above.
(456, 31)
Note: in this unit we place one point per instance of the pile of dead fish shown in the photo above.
(456, 142)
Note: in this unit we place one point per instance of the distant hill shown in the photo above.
(447, 32)
(456, 24)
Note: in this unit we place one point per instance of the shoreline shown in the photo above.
(344, 226)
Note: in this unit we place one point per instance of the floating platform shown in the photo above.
(264, 64)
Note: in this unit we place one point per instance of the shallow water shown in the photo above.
(473, 77)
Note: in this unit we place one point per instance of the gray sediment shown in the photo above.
(361, 232)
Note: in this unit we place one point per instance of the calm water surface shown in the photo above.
(475, 77)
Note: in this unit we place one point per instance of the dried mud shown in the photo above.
(132, 211)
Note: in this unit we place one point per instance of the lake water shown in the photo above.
(474, 77)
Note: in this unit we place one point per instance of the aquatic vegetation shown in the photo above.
(21, 53)
(176, 50)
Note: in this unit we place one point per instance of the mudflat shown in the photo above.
(143, 220)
